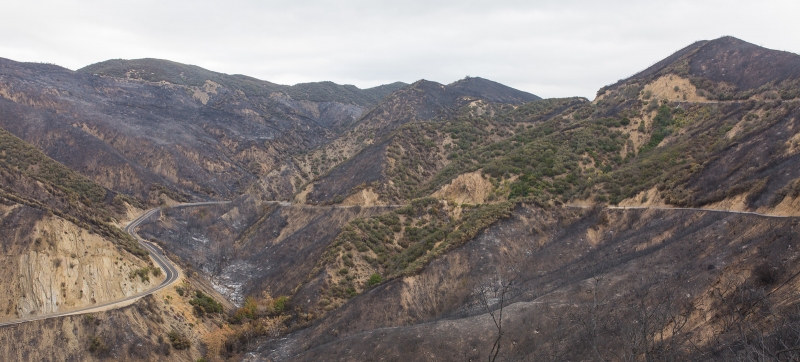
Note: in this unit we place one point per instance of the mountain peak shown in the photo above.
(726, 68)
(742, 64)
(492, 91)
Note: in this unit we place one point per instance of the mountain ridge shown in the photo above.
(157, 70)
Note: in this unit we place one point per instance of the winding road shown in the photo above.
(170, 271)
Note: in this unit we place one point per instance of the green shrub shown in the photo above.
(280, 303)
(374, 279)
(204, 303)
(661, 128)
(143, 274)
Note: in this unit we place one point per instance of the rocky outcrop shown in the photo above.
(52, 265)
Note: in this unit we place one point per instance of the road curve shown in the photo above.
(170, 271)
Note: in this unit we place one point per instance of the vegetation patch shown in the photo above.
(400, 243)
(144, 273)
(205, 304)
(179, 340)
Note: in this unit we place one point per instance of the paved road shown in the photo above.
(170, 271)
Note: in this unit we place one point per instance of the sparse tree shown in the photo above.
(492, 295)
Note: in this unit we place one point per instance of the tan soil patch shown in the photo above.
(653, 199)
(203, 94)
(664, 88)
(366, 197)
(303, 195)
(637, 137)
(736, 203)
(469, 188)
(793, 145)
(787, 207)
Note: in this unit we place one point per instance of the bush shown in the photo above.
(97, 345)
(279, 304)
(374, 279)
(178, 340)
(205, 304)
(143, 273)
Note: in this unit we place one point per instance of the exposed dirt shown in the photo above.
(139, 332)
(673, 88)
(731, 142)
(366, 197)
(52, 265)
(469, 188)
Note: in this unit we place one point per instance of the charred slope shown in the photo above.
(653, 140)
(62, 252)
(491, 91)
(729, 68)
(425, 100)
(695, 146)
(636, 264)
(157, 70)
(166, 126)
(28, 177)
(249, 247)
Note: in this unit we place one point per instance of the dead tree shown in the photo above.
(492, 296)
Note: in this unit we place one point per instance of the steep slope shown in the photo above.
(62, 247)
(32, 179)
(481, 185)
(586, 284)
(696, 152)
(153, 127)
(250, 246)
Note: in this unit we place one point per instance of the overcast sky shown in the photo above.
(549, 48)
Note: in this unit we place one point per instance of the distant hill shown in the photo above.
(158, 70)
(491, 91)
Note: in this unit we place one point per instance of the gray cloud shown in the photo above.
(550, 48)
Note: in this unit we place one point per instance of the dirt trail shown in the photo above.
(682, 208)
